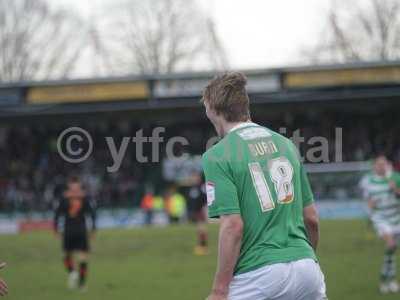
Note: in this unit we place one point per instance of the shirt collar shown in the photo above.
(241, 125)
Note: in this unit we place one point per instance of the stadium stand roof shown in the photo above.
(378, 80)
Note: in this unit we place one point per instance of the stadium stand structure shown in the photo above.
(362, 100)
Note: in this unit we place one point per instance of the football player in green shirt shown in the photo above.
(258, 188)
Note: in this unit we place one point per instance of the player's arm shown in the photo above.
(91, 210)
(394, 184)
(311, 221)
(366, 195)
(223, 202)
(230, 239)
(395, 188)
(3, 285)
(310, 214)
(59, 211)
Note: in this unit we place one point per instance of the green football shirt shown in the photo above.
(255, 172)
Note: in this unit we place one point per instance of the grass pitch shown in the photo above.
(157, 263)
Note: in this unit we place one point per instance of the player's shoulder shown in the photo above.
(214, 153)
(224, 152)
(281, 138)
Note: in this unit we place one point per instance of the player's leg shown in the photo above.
(202, 239)
(69, 262)
(68, 258)
(83, 258)
(68, 246)
(72, 273)
(202, 233)
(82, 247)
(388, 270)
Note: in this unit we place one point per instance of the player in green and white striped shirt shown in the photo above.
(381, 188)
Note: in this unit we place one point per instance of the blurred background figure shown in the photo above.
(175, 205)
(148, 205)
(381, 189)
(74, 208)
(196, 195)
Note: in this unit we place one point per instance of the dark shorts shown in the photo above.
(76, 243)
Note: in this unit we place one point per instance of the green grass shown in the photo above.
(157, 263)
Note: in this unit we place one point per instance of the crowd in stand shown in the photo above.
(32, 173)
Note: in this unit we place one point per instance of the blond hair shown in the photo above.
(226, 94)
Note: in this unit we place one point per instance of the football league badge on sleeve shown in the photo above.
(210, 189)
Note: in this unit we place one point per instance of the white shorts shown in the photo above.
(297, 280)
(384, 228)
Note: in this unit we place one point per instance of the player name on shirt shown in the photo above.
(262, 148)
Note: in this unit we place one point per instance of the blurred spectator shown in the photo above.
(147, 205)
(175, 204)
